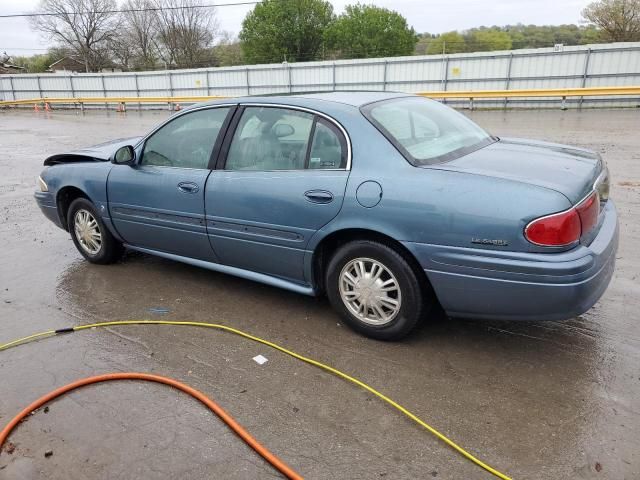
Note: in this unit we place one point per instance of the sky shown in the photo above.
(433, 16)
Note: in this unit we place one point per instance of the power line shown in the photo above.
(127, 10)
(24, 48)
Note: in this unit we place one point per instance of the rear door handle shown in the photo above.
(188, 187)
(319, 196)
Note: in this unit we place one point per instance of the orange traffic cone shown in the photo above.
(47, 108)
(36, 108)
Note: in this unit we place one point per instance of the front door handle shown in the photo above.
(319, 196)
(188, 187)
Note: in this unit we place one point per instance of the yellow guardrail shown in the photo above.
(534, 92)
(471, 95)
(84, 100)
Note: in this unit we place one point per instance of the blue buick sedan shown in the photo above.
(387, 203)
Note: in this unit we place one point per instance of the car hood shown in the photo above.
(101, 152)
(571, 171)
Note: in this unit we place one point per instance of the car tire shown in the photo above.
(90, 235)
(369, 276)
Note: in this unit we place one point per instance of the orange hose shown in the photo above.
(224, 416)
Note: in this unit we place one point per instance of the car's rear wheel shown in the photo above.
(376, 290)
(89, 234)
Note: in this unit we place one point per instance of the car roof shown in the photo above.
(352, 98)
(355, 98)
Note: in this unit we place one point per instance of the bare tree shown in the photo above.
(138, 32)
(618, 19)
(84, 26)
(122, 50)
(185, 32)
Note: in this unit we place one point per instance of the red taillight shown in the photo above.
(554, 230)
(588, 210)
(566, 227)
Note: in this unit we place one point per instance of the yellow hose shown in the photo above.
(310, 361)
(26, 339)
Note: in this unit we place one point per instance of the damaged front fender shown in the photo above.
(97, 153)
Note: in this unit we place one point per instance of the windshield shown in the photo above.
(426, 131)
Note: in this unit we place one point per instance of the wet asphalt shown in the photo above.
(535, 400)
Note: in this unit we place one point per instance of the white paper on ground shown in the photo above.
(260, 360)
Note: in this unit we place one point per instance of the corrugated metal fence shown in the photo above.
(615, 64)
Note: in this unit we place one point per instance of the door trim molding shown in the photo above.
(237, 272)
(157, 214)
(252, 230)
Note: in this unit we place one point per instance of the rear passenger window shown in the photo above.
(273, 138)
(270, 139)
(327, 149)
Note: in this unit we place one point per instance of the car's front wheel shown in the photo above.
(376, 290)
(90, 236)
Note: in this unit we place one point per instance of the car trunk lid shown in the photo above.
(569, 170)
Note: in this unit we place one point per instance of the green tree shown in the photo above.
(590, 34)
(291, 30)
(450, 42)
(424, 39)
(364, 31)
(228, 51)
(486, 40)
(39, 63)
(619, 20)
(533, 36)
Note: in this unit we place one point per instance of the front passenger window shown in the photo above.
(187, 141)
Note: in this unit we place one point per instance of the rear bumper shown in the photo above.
(478, 283)
(47, 204)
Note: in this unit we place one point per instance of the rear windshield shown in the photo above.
(425, 131)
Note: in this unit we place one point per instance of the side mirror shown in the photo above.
(124, 156)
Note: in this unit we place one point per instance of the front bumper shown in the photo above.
(478, 283)
(47, 204)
